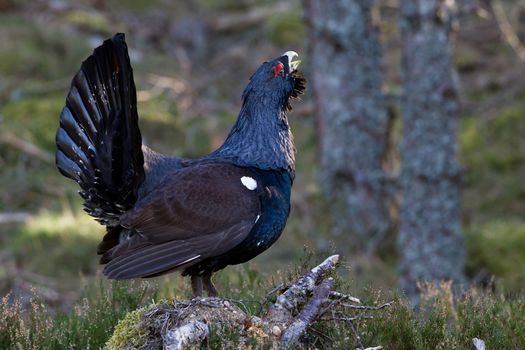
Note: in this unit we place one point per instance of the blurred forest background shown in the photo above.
(191, 60)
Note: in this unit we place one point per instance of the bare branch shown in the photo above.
(276, 289)
(366, 307)
(349, 319)
(310, 312)
(356, 335)
(507, 30)
(281, 311)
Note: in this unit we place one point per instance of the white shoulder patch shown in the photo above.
(249, 183)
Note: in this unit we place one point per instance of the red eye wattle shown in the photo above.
(278, 69)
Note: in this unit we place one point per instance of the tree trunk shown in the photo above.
(351, 117)
(430, 242)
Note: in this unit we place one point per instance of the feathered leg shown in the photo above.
(196, 285)
(208, 285)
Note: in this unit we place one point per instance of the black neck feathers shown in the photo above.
(261, 136)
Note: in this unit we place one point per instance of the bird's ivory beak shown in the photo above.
(293, 61)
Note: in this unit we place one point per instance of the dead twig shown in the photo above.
(340, 296)
(356, 335)
(26, 147)
(506, 29)
(277, 288)
(366, 307)
(349, 319)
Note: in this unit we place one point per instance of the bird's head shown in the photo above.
(276, 81)
(261, 136)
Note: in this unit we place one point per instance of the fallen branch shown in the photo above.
(192, 332)
(506, 29)
(287, 302)
(309, 314)
(14, 217)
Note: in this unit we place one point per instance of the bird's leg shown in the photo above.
(208, 285)
(196, 285)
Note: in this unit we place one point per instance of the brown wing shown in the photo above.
(198, 212)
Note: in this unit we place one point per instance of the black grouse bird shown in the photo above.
(165, 213)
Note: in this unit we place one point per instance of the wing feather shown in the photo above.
(199, 212)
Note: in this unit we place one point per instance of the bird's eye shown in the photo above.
(278, 69)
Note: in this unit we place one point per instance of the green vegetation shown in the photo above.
(441, 323)
(491, 152)
(87, 326)
(68, 241)
(497, 248)
(494, 196)
(128, 331)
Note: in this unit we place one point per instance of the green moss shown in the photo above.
(128, 333)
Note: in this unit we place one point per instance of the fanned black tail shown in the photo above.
(99, 141)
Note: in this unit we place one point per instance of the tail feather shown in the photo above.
(99, 141)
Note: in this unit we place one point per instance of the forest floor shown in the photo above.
(191, 61)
